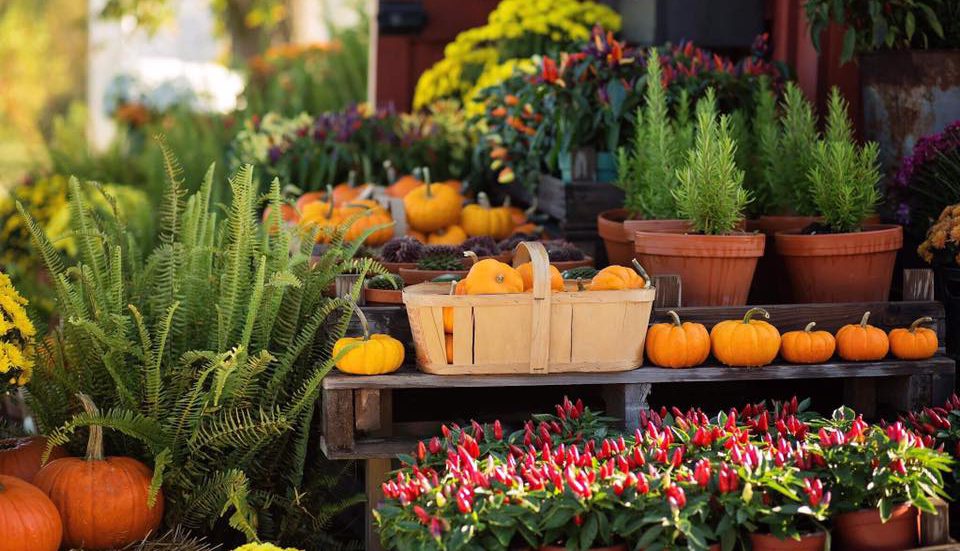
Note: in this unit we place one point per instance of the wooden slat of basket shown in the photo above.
(463, 335)
(561, 340)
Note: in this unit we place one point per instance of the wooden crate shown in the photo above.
(539, 332)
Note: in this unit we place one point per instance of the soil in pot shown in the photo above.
(840, 267)
(863, 531)
(807, 542)
(617, 230)
(714, 270)
(770, 282)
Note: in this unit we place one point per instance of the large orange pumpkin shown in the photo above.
(431, 207)
(526, 273)
(747, 342)
(29, 521)
(371, 218)
(482, 219)
(20, 457)
(915, 342)
(104, 501)
(862, 342)
(677, 344)
(492, 277)
(807, 346)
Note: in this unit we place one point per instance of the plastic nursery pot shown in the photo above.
(619, 547)
(841, 267)
(770, 282)
(617, 232)
(863, 531)
(714, 270)
(807, 542)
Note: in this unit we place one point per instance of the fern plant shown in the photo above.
(647, 173)
(711, 193)
(205, 356)
(844, 177)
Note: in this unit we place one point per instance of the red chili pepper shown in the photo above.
(421, 452)
(422, 514)
(497, 430)
(702, 473)
(675, 496)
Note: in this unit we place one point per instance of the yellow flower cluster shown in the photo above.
(263, 547)
(16, 337)
(522, 27)
(43, 199)
(491, 77)
(945, 232)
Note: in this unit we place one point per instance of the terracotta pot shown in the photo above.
(714, 270)
(807, 542)
(382, 296)
(841, 267)
(570, 264)
(617, 233)
(414, 276)
(770, 282)
(394, 267)
(619, 547)
(863, 531)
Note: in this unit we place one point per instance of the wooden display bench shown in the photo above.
(358, 412)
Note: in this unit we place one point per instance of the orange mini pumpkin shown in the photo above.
(747, 342)
(403, 186)
(448, 346)
(456, 288)
(915, 342)
(452, 235)
(862, 342)
(480, 219)
(492, 277)
(321, 217)
(677, 344)
(618, 278)
(367, 219)
(526, 273)
(808, 346)
(431, 207)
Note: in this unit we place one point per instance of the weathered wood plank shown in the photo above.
(861, 395)
(669, 292)
(366, 407)
(409, 377)
(338, 418)
(918, 284)
(375, 474)
(935, 529)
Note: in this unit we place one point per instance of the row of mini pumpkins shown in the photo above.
(752, 343)
(93, 503)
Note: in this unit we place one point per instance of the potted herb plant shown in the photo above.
(647, 173)
(841, 259)
(908, 53)
(714, 261)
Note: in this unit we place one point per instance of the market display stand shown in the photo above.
(358, 418)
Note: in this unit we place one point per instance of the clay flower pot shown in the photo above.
(807, 542)
(382, 296)
(714, 270)
(617, 232)
(841, 267)
(565, 265)
(863, 531)
(770, 282)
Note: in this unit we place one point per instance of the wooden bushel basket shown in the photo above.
(539, 332)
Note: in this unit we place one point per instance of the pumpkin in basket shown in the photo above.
(482, 219)
(456, 288)
(366, 219)
(526, 273)
(370, 354)
(862, 342)
(492, 277)
(453, 235)
(20, 457)
(432, 207)
(807, 346)
(618, 278)
(747, 342)
(105, 502)
(448, 346)
(677, 344)
(915, 342)
(29, 521)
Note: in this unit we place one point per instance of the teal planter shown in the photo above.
(606, 168)
(605, 171)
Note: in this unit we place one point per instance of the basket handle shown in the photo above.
(540, 330)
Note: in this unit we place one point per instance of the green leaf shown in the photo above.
(849, 43)
(886, 508)
(909, 25)
(588, 531)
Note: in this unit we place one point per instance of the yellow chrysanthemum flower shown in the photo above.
(263, 547)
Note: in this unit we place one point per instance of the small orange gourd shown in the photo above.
(456, 288)
(367, 219)
(480, 219)
(747, 342)
(619, 278)
(915, 342)
(349, 191)
(492, 277)
(677, 344)
(862, 342)
(808, 346)
(373, 354)
(431, 207)
(419, 236)
(310, 197)
(448, 346)
(526, 273)
(321, 217)
(453, 235)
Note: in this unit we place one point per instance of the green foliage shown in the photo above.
(763, 163)
(648, 172)
(795, 155)
(844, 177)
(711, 193)
(206, 359)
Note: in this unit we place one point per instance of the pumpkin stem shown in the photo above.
(363, 322)
(330, 198)
(580, 285)
(483, 200)
(675, 317)
(531, 209)
(95, 441)
(453, 287)
(864, 319)
(643, 273)
(922, 321)
(426, 180)
(753, 312)
(809, 326)
(472, 256)
(352, 178)
(391, 172)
